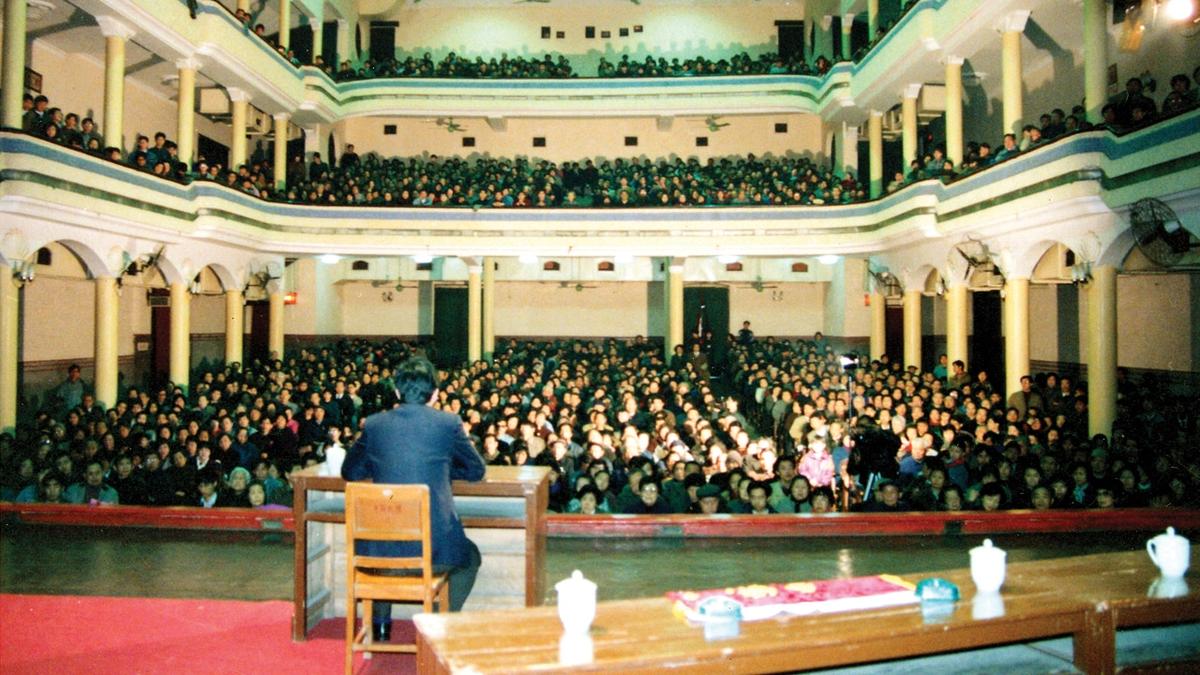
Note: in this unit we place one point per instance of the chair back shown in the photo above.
(388, 513)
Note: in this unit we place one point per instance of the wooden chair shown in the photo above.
(394, 513)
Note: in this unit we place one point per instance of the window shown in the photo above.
(1069, 258)
(539, 141)
(606, 266)
(702, 141)
(468, 141)
(425, 267)
(589, 32)
(360, 266)
(551, 266)
(781, 127)
(545, 32)
(389, 130)
(631, 141)
(44, 256)
(624, 32)
(733, 267)
(800, 268)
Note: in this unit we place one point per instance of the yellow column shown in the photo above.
(12, 76)
(912, 328)
(243, 5)
(185, 126)
(115, 35)
(1102, 350)
(1016, 333)
(674, 306)
(489, 307)
(107, 313)
(10, 340)
(285, 23)
(875, 143)
(954, 109)
(1095, 57)
(474, 313)
(908, 120)
(235, 326)
(847, 27)
(344, 42)
(275, 325)
(181, 335)
(878, 325)
(872, 19)
(956, 323)
(280, 161)
(1010, 69)
(239, 104)
(316, 23)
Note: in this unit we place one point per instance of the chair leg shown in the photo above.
(444, 597)
(350, 612)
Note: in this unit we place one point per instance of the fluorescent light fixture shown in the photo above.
(527, 259)
(828, 259)
(423, 258)
(330, 258)
(1180, 10)
(623, 258)
(727, 259)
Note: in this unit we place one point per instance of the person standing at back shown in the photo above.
(416, 444)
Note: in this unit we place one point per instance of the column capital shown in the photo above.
(676, 265)
(113, 27)
(282, 116)
(826, 21)
(343, 24)
(952, 60)
(875, 113)
(1014, 21)
(474, 269)
(911, 90)
(189, 64)
(847, 18)
(236, 94)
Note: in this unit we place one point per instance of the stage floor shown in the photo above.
(141, 562)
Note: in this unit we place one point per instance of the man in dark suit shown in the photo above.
(415, 444)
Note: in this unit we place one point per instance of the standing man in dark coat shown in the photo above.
(415, 444)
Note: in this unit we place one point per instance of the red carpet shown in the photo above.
(100, 635)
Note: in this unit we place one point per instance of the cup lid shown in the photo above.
(576, 582)
(987, 549)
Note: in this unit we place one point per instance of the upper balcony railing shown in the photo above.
(42, 182)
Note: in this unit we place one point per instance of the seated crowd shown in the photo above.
(624, 430)
(1131, 110)
(455, 66)
(738, 64)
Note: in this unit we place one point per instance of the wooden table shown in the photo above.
(504, 514)
(1086, 597)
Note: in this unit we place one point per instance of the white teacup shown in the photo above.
(1171, 553)
(987, 567)
(576, 603)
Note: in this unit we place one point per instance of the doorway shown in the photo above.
(449, 326)
(791, 39)
(259, 344)
(893, 344)
(706, 309)
(987, 343)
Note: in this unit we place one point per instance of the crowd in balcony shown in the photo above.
(455, 66)
(779, 426)
(699, 66)
(1131, 110)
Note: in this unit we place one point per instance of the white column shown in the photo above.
(1010, 68)
(115, 35)
(235, 326)
(275, 324)
(872, 19)
(316, 23)
(847, 150)
(489, 307)
(474, 313)
(185, 126)
(954, 109)
(908, 120)
(1102, 350)
(107, 313)
(12, 75)
(345, 42)
(875, 143)
(181, 335)
(847, 27)
(957, 298)
(675, 332)
(912, 328)
(10, 342)
(239, 105)
(878, 325)
(1016, 333)
(281, 140)
(285, 24)
(1095, 57)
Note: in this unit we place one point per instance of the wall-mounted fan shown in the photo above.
(1158, 232)
(887, 283)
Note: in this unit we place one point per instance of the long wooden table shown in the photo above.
(1085, 597)
(504, 514)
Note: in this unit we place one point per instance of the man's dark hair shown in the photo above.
(416, 379)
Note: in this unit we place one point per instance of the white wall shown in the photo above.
(378, 310)
(575, 139)
(789, 309)
(617, 309)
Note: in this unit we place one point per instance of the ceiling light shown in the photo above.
(727, 259)
(527, 259)
(330, 258)
(828, 259)
(623, 258)
(1180, 10)
(423, 258)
